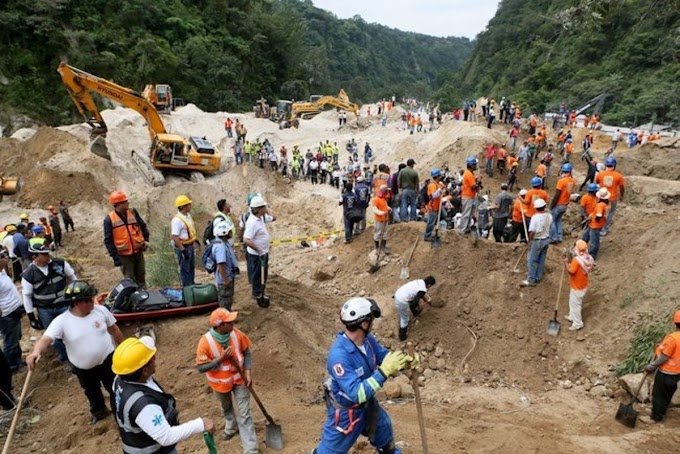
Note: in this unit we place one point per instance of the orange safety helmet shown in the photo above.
(117, 197)
(676, 317)
(222, 315)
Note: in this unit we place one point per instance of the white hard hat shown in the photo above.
(356, 310)
(257, 202)
(539, 203)
(523, 192)
(603, 194)
(223, 228)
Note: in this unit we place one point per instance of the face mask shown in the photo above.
(222, 339)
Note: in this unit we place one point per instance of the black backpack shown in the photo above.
(424, 196)
(208, 235)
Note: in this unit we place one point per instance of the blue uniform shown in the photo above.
(354, 380)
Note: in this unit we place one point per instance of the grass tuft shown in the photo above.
(641, 349)
(161, 266)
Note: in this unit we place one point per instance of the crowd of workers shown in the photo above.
(90, 345)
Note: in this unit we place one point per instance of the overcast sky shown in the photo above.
(431, 17)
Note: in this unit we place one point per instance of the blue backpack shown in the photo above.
(208, 259)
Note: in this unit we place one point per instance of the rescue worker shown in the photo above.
(89, 332)
(539, 237)
(66, 216)
(471, 185)
(535, 193)
(256, 237)
(381, 214)
(183, 232)
(53, 220)
(146, 415)
(580, 266)
(363, 192)
(219, 351)
(126, 237)
(358, 367)
(407, 297)
(615, 184)
(666, 364)
(434, 192)
(597, 221)
(8, 244)
(519, 224)
(23, 218)
(588, 203)
(560, 202)
(42, 284)
(223, 215)
(501, 212)
(11, 312)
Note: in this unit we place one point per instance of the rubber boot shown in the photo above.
(403, 334)
(377, 245)
(383, 246)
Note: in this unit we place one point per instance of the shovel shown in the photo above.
(15, 419)
(273, 433)
(263, 300)
(626, 414)
(436, 241)
(376, 267)
(210, 442)
(405, 272)
(554, 325)
(419, 404)
(516, 268)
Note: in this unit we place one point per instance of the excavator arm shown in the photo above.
(300, 109)
(80, 86)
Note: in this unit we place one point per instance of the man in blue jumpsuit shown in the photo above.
(358, 367)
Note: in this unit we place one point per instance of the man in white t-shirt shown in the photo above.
(88, 332)
(256, 238)
(11, 311)
(183, 233)
(539, 240)
(408, 297)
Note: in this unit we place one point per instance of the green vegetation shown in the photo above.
(543, 52)
(218, 54)
(641, 349)
(161, 265)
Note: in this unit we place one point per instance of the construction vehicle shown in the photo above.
(168, 153)
(597, 103)
(288, 113)
(160, 96)
(262, 109)
(9, 186)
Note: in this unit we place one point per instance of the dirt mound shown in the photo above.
(45, 185)
(658, 160)
(20, 157)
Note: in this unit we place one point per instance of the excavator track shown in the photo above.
(153, 176)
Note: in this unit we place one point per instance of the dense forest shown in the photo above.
(219, 54)
(543, 52)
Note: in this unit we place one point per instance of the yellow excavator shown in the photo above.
(289, 113)
(169, 153)
(160, 96)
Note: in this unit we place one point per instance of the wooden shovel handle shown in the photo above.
(15, 419)
(252, 391)
(419, 404)
(412, 251)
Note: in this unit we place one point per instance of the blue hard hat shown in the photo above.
(536, 182)
(567, 168)
(471, 161)
(38, 229)
(593, 187)
(436, 173)
(610, 161)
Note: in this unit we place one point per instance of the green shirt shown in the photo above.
(408, 178)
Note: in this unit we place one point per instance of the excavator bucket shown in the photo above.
(98, 147)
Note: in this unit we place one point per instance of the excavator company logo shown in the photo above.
(111, 93)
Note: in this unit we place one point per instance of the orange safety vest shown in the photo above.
(48, 229)
(223, 379)
(672, 366)
(127, 238)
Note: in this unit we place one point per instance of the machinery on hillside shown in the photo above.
(262, 109)
(288, 113)
(169, 153)
(9, 186)
(597, 103)
(161, 97)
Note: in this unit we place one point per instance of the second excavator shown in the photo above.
(169, 153)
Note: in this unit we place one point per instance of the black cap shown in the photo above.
(410, 162)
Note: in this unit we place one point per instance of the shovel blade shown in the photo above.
(553, 328)
(274, 437)
(626, 415)
(405, 273)
(263, 301)
(436, 242)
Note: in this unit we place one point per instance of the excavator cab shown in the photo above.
(160, 96)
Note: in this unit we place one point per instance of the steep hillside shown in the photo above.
(219, 55)
(543, 52)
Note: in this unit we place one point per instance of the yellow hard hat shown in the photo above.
(182, 200)
(23, 216)
(131, 355)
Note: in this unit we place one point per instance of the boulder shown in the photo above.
(392, 390)
(630, 382)
(326, 270)
(407, 390)
(438, 351)
(601, 391)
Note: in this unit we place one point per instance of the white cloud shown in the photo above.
(432, 17)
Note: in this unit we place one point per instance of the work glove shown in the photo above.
(236, 270)
(35, 323)
(414, 360)
(651, 368)
(393, 363)
(116, 261)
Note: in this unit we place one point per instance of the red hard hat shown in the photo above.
(117, 197)
(676, 317)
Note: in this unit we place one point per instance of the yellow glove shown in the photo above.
(414, 360)
(393, 363)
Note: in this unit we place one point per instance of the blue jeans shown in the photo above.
(431, 222)
(538, 251)
(489, 167)
(10, 329)
(592, 236)
(255, 263)
(408, 201)
(556, 227)
(46, 315)
(610, 216)
(186, 264)
(349, 228)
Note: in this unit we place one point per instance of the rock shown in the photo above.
(407, 390)
(421, 381)
(432, 363)
(381, 395)
(438, 351)
(428, 373)
(401, 379)
(392, 390)
(362, 293)
(630, 382)
(567, 384)
(441, 364)
(326, 270)
(601, 391)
